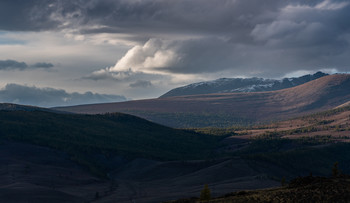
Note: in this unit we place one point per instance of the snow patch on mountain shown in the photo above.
(231, 85)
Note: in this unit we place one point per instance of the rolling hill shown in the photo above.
(230, 85)
(227, 109)
(110, 134)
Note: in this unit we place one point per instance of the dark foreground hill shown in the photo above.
(31, 173)
(230, 85)
(229, 109)
(110, 134)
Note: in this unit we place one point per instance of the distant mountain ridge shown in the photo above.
(19, 107)
(227, 109)
(231, 85)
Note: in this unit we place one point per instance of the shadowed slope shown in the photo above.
(84, 136)
(37, 174)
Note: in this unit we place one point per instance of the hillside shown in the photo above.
(332, 125)
(84, 136)
(230, 85)
(227, 109)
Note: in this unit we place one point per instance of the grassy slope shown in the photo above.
(332, 125)
(111, 134)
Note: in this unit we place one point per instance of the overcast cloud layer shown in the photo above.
(142, 48)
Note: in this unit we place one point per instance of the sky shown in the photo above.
(68, 52)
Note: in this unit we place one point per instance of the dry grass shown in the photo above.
(335, 125)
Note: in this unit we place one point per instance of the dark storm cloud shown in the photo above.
(246, 37)
(49, 97)
(129, 16)
(147, 19)
(31, 15)
(273, 38)
(235, 19)
(16, 65)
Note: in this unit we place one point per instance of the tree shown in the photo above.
(205, 193)
(283, 181)
(335, 170)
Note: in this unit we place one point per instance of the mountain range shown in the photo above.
(228, 109)
(230, 85)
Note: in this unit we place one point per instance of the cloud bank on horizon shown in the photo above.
(142, 48)
(16, 65)
(50, 97)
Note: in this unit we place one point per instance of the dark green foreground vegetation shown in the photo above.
(87, 137)
(300, 158)
(301, 189)
(313, 162)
